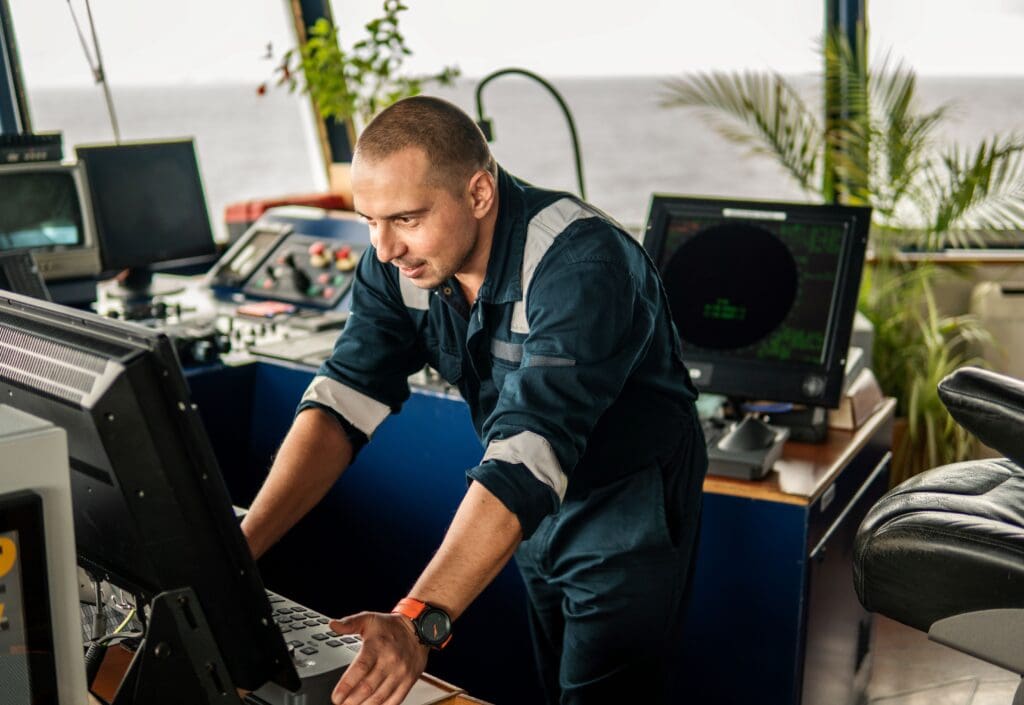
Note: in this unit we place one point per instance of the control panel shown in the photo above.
(306, 270)
(280, 291)
(248, 253)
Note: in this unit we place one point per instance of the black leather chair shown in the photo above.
(944, 551)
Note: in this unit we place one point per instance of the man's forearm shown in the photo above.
(312, 457)
(482, 537)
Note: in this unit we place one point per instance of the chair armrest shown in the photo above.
(990, 406)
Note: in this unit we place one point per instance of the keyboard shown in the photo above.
(320, 655)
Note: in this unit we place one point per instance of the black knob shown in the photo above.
(300, 280)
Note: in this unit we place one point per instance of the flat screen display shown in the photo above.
(14, 669)
(763, 294)
(27, 664)
(148, 202)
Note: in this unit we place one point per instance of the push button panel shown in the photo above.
(306, 270)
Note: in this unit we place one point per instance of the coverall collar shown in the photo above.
(502, 283)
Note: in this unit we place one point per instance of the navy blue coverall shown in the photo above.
(570, 365)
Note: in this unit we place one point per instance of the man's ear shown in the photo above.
(482, 193)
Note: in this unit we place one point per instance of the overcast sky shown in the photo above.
(195, 41)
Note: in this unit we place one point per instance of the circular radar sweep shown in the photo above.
(730, 286)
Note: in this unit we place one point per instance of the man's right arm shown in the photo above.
(311, 459)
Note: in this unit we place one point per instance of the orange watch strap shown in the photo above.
(409, 607)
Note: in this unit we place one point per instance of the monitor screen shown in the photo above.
(39, 209)
(148, 202)
(763, 294)
(150, 506)
(27, 659)
(45, 209)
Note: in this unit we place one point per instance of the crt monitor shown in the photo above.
(149, 206)
(151, 510)
(45, 209)
(763, 294)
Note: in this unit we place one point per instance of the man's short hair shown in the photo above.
(455, 147)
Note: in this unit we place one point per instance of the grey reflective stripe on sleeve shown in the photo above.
(360, 410)
(533, 451)
(540, 234)
(413, 296)
(509, 352)
(549, 361)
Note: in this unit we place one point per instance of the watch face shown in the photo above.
(435, 626)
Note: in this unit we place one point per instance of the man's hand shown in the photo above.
(390, 661)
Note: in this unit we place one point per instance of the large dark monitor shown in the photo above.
(45, 209)
(152, 512)
(763, 294)
(149, 206)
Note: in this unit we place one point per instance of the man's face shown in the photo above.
(423, 228)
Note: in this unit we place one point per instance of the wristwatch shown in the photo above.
(432, 624)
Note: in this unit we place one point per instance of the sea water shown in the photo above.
(253, 146)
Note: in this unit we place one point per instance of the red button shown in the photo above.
(343, 253)
(324, 278)
(317, 248)
(328, 293)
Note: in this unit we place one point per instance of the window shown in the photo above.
(187, 68)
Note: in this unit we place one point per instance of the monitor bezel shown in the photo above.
(108, 258)
(774, 380)
(144, 359)
(59, 262)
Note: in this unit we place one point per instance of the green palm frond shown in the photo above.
(902, 138)
(766, 113)
(979, 190)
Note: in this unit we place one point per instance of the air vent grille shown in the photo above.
(31, 360)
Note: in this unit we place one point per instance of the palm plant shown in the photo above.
(882, 151)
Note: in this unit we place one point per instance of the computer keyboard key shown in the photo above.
(284, 629)
(319, 667)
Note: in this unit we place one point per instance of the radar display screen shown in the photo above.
(752, 289)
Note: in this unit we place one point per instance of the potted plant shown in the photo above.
(882, 152)
(355, 84)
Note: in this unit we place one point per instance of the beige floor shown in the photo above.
(911, 670)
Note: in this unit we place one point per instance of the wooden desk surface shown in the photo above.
(805, 469)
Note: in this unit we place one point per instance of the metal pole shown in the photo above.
(14, 117)
(845, 18)
(337, 138)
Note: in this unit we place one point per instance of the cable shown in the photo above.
(485, 124)
(124, 624)
(96, 65)
(98, 648)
